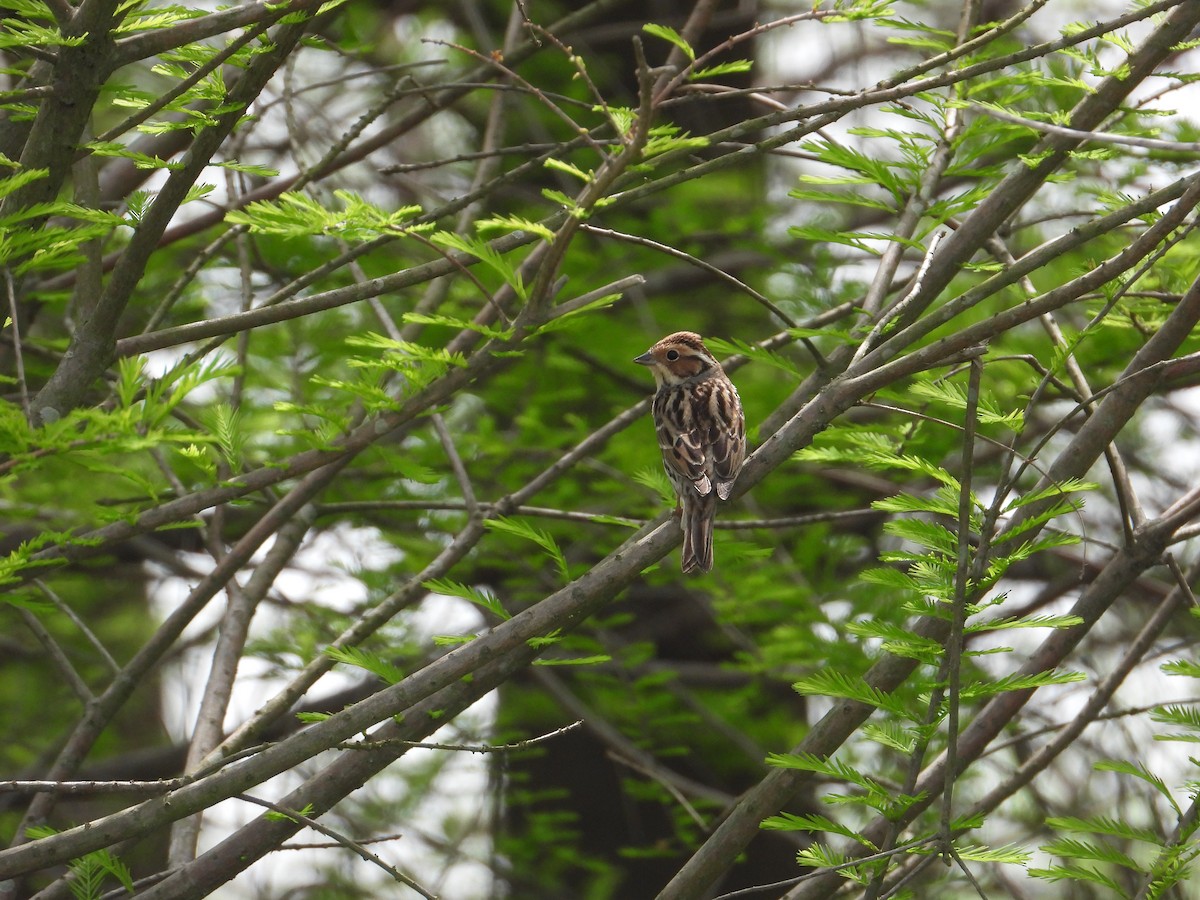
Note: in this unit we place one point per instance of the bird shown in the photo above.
(702, 435)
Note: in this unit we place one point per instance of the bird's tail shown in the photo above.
(697, 524)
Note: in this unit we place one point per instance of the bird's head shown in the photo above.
(679, 358)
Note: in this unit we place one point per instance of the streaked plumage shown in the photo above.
(701, 433)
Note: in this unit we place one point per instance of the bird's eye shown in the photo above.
(672, 355)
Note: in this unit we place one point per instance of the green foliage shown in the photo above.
(814, 823)
(188, 380)
(299, 215)
(756, 354)
(871, 792)
(1112, 848)
(486, 254)
(89, 873)
(836, 684)
(275, 816)
(26, 251)
(670, 34)
(418, 367)
(481, 598)
(538, 536)
(18, 33)
(366, 660)
(509, 224)
(732, 67)
(924, 577)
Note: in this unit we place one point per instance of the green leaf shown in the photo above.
(895, 579)
(1093, 851)
(559, 165)
(954, 395)
(601, 519)
(1059, 490)
(876, 451)
(1020, 683)
(1187, 717)
(419, 365)
(753, 353)
(891, 735)
(670, 34)
(460, 324)
(655, 478)
(622, 116)
(1184, 667)
(897, 640)
(575, 661)
(486, 254)
(1139, 771)
(864, 168)
(819, 765)
(1055, 510)
(560, 198)
(734, 66)
(546, 640)
(931, 535)
(843, 198)
(481, 598)
(452, 640)
(909, 503)
(830, 683)
(1077, 873)
(526, 531)
(275, 816)
(1010, 854)
(25, 34)
(819, 856)
(814, 823)
(297, 214)
(129, 379)
(250, 169)
(568, 318)
(866, 241)
(20, 179)
(88, 874)
(226, 425)
(1104, 825)
(509, 224)
(665, 138)
(364, 659)
(1047, 621)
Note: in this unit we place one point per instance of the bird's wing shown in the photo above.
(682, 443)
(728, 447)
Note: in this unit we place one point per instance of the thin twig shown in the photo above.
(59, 658)
(534, 91)
(367, 744)
(870, 342)
(620, 286)
(72, 788)
(456, 464)
(653, 775)
(695, 261)
(18, 358)
(1102, 137)
(201, 72)
(89, 635)
(824, 870)
(347, 842)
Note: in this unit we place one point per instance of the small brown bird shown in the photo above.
(701, 433)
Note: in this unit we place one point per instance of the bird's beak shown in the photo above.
(646, 359)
